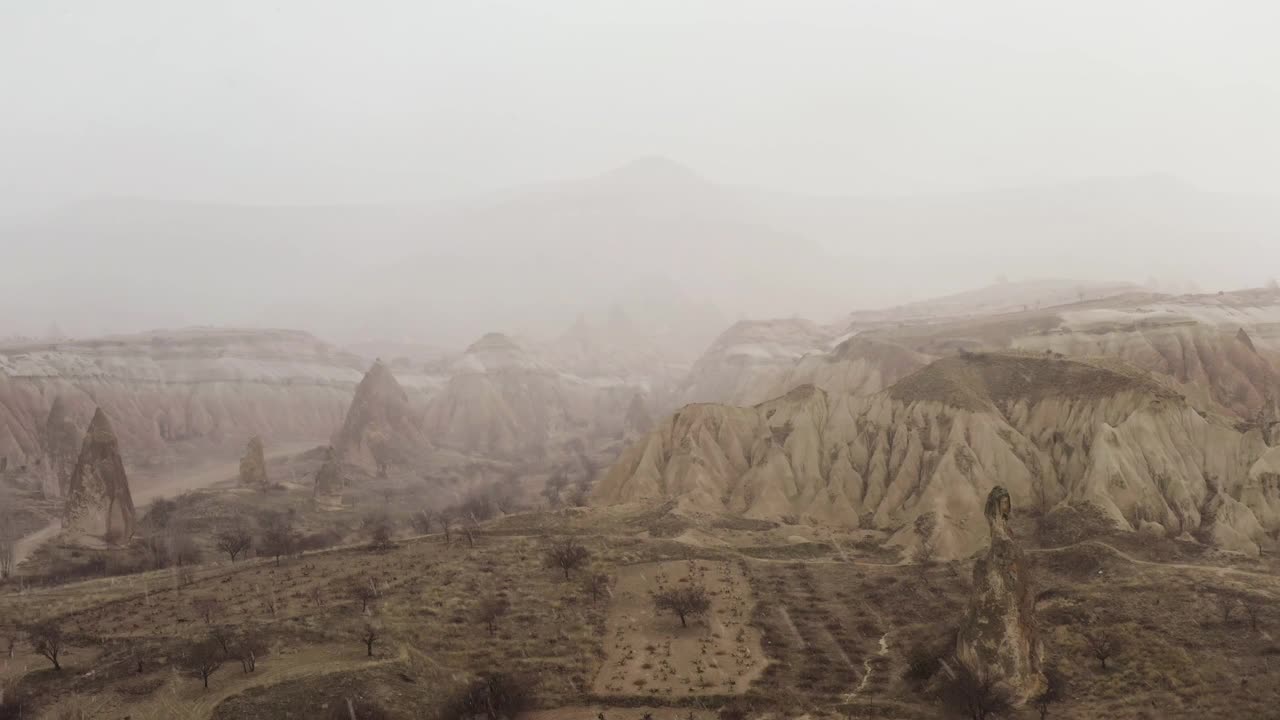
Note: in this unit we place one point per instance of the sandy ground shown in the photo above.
(650, 654)
(171, 484)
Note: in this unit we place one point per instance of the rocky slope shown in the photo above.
(98, 499)
(175, 393)
(1048, 429)
(503, 401)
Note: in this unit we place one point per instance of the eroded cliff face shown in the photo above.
(61, 447)
(175, 394)
(998, 638)
(1050, 430)
(98, 499)
(253, 466)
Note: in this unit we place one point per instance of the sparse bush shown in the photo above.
(686, 601)
(490, 610)
(567, 555)
(207, 608)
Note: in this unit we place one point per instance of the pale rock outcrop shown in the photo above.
(253, 466)
(329, 478)
(380, 429)
(98, 499)
(998, 639)
(61, 445)
(1050, 430)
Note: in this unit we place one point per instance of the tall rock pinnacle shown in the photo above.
(998, 638)
(98, 498)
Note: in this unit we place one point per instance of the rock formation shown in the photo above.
(329, 478)
(174, 393)
(503, 401)
(98, 498)
(61, 446)
(380, 429)
(253, 466)
(1050, 430)
(998, 639)
(637, 420)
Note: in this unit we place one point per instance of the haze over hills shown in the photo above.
(678, 251)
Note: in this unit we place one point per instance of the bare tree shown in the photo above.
(596, 585)
(567, 554)
(362, 590)
(1055, 691)
(1101, 643)
(1226, 602)
(207, 608)
(968, 694)
(8, 545)
(47, 639)
(489, 611)
(225, 637)
(247, 650)
(279, 539)
(9, 634)
(686, 601)
(378, 527)
(493, 696)
(1253, 609)
(202, 659)
(445, 518)
(234, 541)
(421, 522)
(370, 631)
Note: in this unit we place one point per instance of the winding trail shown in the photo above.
(1214, 569)
(867, 669)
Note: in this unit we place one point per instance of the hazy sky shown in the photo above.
(315, 101)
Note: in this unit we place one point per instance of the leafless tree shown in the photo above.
(1055, 691)
(234, 540)
(490, 610)
(202, 659)
(247, 650)
(493, 696)
(279, 539)
(445, 518)
(685, 601)
(421, 522)
(224, 636)
(1252, 608)
(567, 554)
(10, 631)
(8, 545)
(1102, 644)
(378, 527)
(207, 608)
(596, 585)
(47, 640)
(362, 590)
(967, 694)
(370, 631)
(1226, 602)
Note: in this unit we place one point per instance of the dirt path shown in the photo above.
(867, 667)
(194, 480)
(1216, 570)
